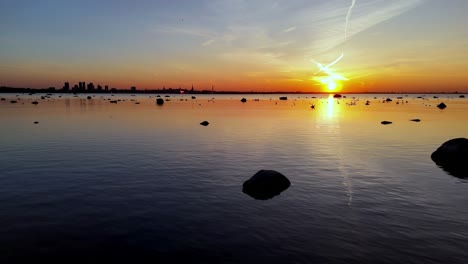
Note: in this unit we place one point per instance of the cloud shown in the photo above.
(259, 27)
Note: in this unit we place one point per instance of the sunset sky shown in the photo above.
(391, 45)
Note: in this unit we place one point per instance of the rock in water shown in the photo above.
(89, 97)
(243, 100)
(159, 101)
(441, 106)
(283, 98)
(266, 184)
(386, 122)
(204, 123)
(337, 96)
(452, 156)
(416, 120)
(35, 102)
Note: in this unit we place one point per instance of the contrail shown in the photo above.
(329, 65)
(348, 15)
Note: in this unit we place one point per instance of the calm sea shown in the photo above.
(96, 181)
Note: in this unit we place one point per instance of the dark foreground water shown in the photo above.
(101, 182)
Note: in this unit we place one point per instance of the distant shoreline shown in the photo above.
(4, 89)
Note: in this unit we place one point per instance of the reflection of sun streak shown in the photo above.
(330, 106)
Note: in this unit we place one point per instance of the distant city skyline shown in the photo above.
(264, 46)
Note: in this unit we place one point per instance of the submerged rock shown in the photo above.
(159, 101)
(204, 123)
(452, 156)
(265, 184)
(441, 106)
(416, 120)
(386, 122)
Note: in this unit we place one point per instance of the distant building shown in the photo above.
(99, 88)
(133, 89)
(90, 87)
(106, 88)
(66, 87)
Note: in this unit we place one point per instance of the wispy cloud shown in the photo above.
(258, 28)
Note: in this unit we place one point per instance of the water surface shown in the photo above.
(100, 181)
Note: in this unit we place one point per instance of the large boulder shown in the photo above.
(452, 156)
(266, 184)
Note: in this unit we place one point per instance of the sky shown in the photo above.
(236, 45)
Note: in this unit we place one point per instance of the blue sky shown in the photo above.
(234, 44)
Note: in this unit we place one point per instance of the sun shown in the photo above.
(332, 85)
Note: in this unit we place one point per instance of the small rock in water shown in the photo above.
(3, 99)
(89, 97)
(266, 184)
(388, 100)
(386, 122)
(283, 98)
(204, 123)
(36, 122)
(35, 103)
(13, 101)
(113, 102)
(416, 120)
(159, 101)
(243, 100)
(441, 106)
(462, 96)
(337, 96)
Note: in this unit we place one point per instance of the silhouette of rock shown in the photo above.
(42, 97)
(386, 122)
(193, 97)
(452, 156)
(2, 99)
(89, 97)
(36, 122)
(367, 102)
(388, 100)
(13, 101)
(265, 184)
(159, 101)
(441, 106)
(204, 123)
(337, 96)
(243, 100)
(283, 98)
(416, 120)
(462, 96)
(113, 102)
(35, 102)
(137, 102)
